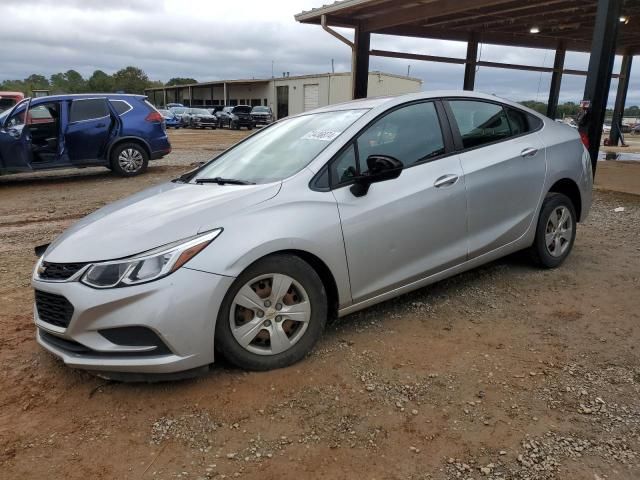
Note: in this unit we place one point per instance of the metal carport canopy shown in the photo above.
(601, 27)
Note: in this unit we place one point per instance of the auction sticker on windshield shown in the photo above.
(322, 135)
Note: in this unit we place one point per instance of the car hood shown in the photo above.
(152, 218)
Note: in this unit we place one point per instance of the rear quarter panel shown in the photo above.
(567, 158)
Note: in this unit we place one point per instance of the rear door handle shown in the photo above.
(100, 125)
(445, 181)
(529, 152)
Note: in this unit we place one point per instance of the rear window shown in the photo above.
(88, 109)
(120, 106)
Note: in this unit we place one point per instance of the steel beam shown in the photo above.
(556, 81)
(470, 65)
(621, 98)
(360, 61)
(603, 52)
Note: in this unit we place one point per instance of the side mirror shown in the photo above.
(381, 168)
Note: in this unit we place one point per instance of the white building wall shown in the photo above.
(336, 88)
(332, 88)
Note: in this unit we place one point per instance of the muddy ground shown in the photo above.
(503, 372)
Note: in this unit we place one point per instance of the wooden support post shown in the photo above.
(556, 81)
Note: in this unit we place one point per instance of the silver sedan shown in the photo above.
(315, 216)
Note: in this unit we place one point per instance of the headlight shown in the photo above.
(148, 266)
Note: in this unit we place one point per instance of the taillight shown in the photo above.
(154, 117)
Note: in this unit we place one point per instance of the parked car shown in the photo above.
(179, 113)
(606, 128)
(171, 105)
(235, 117)
(215, 109)
(170, 119)
(9, 99)
(321, 214)
(261, 115)
(635, 129)
(199, 118)
(120, 132)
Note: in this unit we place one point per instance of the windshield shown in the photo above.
(166, 113)
(261, 110)
(282, 149)
(199, 111)
(178, 110)
(242, 109)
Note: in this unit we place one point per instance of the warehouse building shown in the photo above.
(287, 95)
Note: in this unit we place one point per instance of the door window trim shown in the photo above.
(457, 136)
(88, 119)
(445, 128)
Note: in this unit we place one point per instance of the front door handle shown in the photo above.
(529, 152)
(101, 125)
(445, 181)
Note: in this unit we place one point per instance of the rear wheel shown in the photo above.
(129, 159)
(273, 314)
(555, 232)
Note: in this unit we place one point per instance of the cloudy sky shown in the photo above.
(210, 40)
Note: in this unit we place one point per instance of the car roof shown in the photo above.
(76, 96)
(370, 103)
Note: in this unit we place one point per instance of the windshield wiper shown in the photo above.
(223, 181)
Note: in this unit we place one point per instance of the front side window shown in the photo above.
(480, 123)
(412, 134)
(45, 113)
(282, 149)
(89, 109)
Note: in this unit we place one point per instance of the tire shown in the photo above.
(304, 296)
(137, 162)
(554, 236)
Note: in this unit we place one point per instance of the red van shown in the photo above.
(9, 99)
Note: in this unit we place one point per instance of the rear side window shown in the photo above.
(120, 106)
(88, 109)
(480, 122)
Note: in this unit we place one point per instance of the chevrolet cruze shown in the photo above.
(315, 216)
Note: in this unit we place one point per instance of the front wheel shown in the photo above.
(129, 159)
(273, 314)
(555, 232)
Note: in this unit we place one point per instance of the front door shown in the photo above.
(88, 130)
(504, 167)
(404, 229)
(15, 141)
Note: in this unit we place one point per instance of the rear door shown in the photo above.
(88, 131)
(15, 141)
(504, 166)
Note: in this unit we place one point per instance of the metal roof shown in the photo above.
(501, 22)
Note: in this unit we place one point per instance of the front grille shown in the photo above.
(53, 309)
(58, 271)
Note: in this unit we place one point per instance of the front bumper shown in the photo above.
(180, 309)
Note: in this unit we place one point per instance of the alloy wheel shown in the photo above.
(558, 231)
(130, 160)
(270, 314)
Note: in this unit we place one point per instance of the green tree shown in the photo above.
(130, 80)
(68, 82)
(100, 82)
(181, 81)
(35, 82)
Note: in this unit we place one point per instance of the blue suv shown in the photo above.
(120, 132)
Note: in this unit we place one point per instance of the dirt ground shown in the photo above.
(505, 372)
